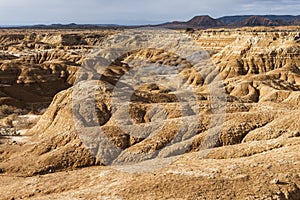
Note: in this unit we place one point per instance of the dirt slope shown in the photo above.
(167, 143)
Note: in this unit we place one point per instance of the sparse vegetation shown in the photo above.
(189, 30)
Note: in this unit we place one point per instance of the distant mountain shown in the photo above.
(230, 20)
(259, 21)
(296, 22)
(65, 26)
(204, 21)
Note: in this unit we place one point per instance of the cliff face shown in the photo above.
(245, 147)
(36, 66)
(266, 63)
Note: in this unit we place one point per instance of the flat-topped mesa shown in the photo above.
(204, 21)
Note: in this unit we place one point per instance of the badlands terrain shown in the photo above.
(150, 114)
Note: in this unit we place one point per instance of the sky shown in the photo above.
(133, 12)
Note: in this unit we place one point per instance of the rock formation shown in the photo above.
(35, 66)
(204, 21)
(154, 140)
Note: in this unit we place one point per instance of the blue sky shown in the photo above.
(14, 12)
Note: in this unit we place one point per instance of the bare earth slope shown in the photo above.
(35, 65)
(163, 147)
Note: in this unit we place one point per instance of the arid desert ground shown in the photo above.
(150, 113)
